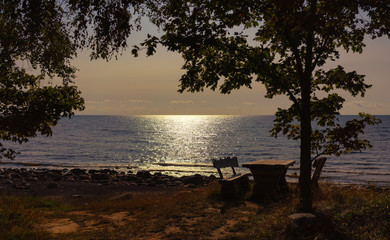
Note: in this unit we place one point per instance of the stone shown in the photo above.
(212, 177)
(178, 183)
(52, 185)
(24, 173)
(113, 172)
(57, 171)
(172, 178)
(41, 177)
(303, 220)
(120, 177)
(15, 176)
(139, 180)
(131, 178)
(83, 177)
(92, 171)
(195, 179)
(21, 187)
(54, 176)
(151, 184)
(144, 174)
(33, 179)
(160, 180)
(148, 180)
(99, 176)
(77, 171)
(104, 182)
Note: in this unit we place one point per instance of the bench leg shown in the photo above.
(243, 184)
(231, 189)
(228, 189)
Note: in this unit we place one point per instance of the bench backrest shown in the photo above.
(319, 164)
(225, 162)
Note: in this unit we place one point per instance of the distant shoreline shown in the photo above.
(141, 115)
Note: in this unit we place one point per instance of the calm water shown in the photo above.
(175, 143)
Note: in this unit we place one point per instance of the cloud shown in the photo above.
(248, 103)
(97, 102)
(138, 101)
(182, 102)
(365, 105)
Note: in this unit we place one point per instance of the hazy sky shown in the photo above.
(144, 86)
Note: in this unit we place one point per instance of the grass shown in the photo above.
(19, 215)
(342, 213)
(358, 213)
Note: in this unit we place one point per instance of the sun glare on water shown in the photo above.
(188, 137)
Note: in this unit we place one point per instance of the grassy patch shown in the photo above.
(342, 212)
(18, 218)
(356, 212)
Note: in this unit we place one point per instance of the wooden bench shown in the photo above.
(234, 185)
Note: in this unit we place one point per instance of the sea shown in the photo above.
(185, 145)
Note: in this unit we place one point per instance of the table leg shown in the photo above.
(283, 184)
(269, 183)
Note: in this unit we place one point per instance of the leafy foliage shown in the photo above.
(38, 40)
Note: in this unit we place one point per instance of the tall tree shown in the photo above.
(38, 40)
(292, 42)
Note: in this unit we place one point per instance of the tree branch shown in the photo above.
(322, 48)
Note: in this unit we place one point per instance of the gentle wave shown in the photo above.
(357, 172)
(185, 164)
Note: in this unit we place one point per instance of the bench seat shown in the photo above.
(236, 177)
(234, 185)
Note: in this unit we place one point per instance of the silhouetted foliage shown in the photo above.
(292, 42)
(38, 40)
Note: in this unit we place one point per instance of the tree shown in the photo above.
(38, 40)
(293, 41)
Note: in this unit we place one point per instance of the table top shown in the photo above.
(270, 163)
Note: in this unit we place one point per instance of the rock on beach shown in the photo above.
(22, 178)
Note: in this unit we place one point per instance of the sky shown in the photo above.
(148, 86)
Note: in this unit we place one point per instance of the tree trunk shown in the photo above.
(305, 159)
(305, 114)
